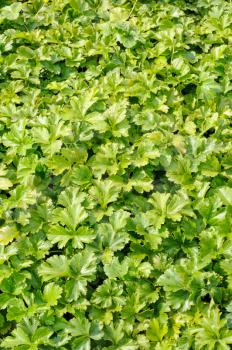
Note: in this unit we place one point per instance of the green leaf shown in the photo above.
(83, 264)
(105, 192)
(211, 329)
(115, 269)
(83, 332)
(126, 34)
(81, 175)
(5, 183)
(109, 294)
(109, 238)
(180, 172)
(8, 234)
(52, 293)
(81, 343)
(173, 280)
(27, 333)
(61, 235)
(72, 213)
(156, 331)
(225, 194)
(11, 12)
(209, 89)
(119, 220)
(55, 267)
(105, 160)
(19, 338)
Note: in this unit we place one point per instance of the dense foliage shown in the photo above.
(115, 174)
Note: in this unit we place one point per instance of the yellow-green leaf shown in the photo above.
(7, 234)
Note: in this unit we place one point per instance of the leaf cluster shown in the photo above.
(115, 174)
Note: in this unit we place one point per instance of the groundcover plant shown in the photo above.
(115, 174)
